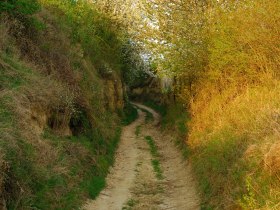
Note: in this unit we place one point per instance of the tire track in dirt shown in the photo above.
(122, 175)
(132, 182)
(178, 186)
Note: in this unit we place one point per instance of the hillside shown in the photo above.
(223, 59)
(62, 103)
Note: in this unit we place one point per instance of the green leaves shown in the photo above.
(20, 7)
(6, 7)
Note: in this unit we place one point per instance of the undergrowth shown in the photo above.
(59, 126)
(90, 177)
(234, 131)
(161, 109)
(130, 114)
(57, 172)
(235, 155)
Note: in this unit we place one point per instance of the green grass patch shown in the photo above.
(161, 109)
(15, 74)
(157, 168)
(6, 115)
(153, 147)
(129, 204)
(138, 130)
(183, 147)
(220, 162)
(174, 119)
(89, 172)
(94, 186)
(130, 114)
(155, 161)
(149, 116)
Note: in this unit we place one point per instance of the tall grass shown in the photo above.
(129, 114)
(234, 130)
(48, 171)
(234, 144)
(45, 169)
(93, 31)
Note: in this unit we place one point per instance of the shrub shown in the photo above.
(19, 7)
(234, 131)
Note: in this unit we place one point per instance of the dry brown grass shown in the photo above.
(272, 159)
(3, 34)
(32, 105)
(43, 93)
(251, 118)
(3, 176)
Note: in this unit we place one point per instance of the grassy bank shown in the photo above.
(60, 121)
(129, 114)
(236, 150)
(234, 130)
(47, 171)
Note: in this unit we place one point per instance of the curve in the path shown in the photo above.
(122, 175)
(179, 184)
(132, 178)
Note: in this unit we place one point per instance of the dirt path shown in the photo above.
(132, 182)
(179, 188)
(122, 175)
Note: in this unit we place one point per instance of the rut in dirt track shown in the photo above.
(132, 182)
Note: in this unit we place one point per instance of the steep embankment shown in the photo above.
(149, 172)
(234, 131)
(61, 103)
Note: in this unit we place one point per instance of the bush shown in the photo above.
(234, 131)
(235, 149)
(130, 114)
(19, 7)
(96, 33)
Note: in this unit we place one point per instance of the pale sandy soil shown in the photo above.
(132, 182)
